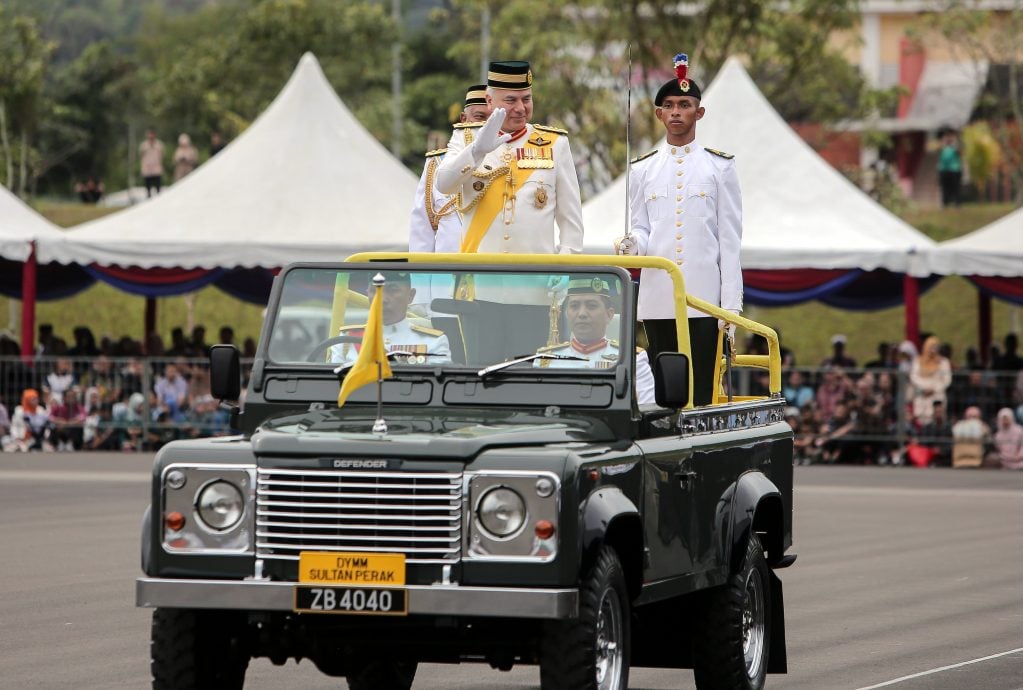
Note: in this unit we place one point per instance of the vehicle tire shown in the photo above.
(591, 652)
(383, 674)
(197, 649)
(733, 636)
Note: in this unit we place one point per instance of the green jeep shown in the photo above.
(510, 494)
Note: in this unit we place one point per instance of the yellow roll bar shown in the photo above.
(772, 361)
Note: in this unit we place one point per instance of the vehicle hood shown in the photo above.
(420, 435)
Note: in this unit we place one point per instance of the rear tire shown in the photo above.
(383, 674)
(591, 652)
(197, 649)
(733, 636)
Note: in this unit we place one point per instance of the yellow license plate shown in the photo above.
(352, 568)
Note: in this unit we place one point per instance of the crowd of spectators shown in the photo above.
(909, 407)
(108, 395)
(902, 407)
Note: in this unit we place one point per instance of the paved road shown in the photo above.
(901, 573)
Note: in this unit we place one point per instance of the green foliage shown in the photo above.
(981, 153)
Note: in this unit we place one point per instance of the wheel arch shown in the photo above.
(610, 518)
(755, 505)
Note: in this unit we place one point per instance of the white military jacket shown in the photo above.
(403, 336)
(546, 215)
(687, 207)
(423, 236)
(601, 356)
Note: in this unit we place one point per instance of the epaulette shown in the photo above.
(718, 153)
(348, 328)
(639, 350)
(436, 152)
(548, 348)
(548, 128)
(612, 343)
(427, 330)
(463, 125)
(610, 357)
(637, 159)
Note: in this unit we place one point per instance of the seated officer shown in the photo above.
(424, 345)
(587, 308)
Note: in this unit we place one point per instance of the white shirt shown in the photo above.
(547, 217)
(403, 336)
(604, 357)
(686, 206)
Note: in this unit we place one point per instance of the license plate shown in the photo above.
(351, 600)
(351, 568)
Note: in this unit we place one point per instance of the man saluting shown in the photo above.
(519, 189)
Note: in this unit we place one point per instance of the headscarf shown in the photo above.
(30, 400)
(1008, 439)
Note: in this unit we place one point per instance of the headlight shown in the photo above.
(502, 512)
(220, 505)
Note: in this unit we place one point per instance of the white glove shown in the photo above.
(626, 246)
(728, 328)
(489, 137)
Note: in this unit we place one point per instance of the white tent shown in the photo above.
(305, 182)
(798, 211)
(994, 250)
(20, 226)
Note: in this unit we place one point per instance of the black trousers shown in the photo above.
(950, 183)
(703, 339)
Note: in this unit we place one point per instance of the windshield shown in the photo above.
(451, 318)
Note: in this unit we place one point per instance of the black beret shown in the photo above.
(671, 88)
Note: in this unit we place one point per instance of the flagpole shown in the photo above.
(379, 426)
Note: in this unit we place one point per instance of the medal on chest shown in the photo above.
(540, 196)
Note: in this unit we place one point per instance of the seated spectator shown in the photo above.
(835, 388)
(975, 388)
(884, 357)
(930, 375)
(805, 450)
(30, 426)
(127, 419)
(5, 428)
(872, 425)
(833, 441)
(797, 391)
(171, 391)
(100, 432)
(60, 379)
(936, 435)
(90, 191)
(838, 357)
(67, 418)
(1009, 360)
(905, 356)
(1008, 450)
(970, 434)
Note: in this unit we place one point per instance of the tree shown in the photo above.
(24, 56)
(993, 37)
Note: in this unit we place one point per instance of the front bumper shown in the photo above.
(445, 600)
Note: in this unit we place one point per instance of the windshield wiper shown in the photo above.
(483, 373)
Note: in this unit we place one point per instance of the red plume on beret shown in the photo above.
(681, 67)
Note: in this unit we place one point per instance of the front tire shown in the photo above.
(592, 652)
(733, 638)
(197, 649)
(383, 674)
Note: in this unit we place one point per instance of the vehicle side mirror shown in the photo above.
(225, 372)
(671, 380)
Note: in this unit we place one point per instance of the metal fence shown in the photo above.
(855, 415)
(106, 403)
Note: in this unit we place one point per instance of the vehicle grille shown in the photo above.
(418, 514)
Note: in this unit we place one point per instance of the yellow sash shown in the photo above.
(493, 197)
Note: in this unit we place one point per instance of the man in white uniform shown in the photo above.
(435, 225)
(518, 183)
(687, 207)
(423, 345)
(587, 308)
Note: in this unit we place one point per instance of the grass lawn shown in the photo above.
(949, 309)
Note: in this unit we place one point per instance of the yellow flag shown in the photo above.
(372, 360)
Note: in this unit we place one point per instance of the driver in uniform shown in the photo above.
(587, 308)
(424, 345)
